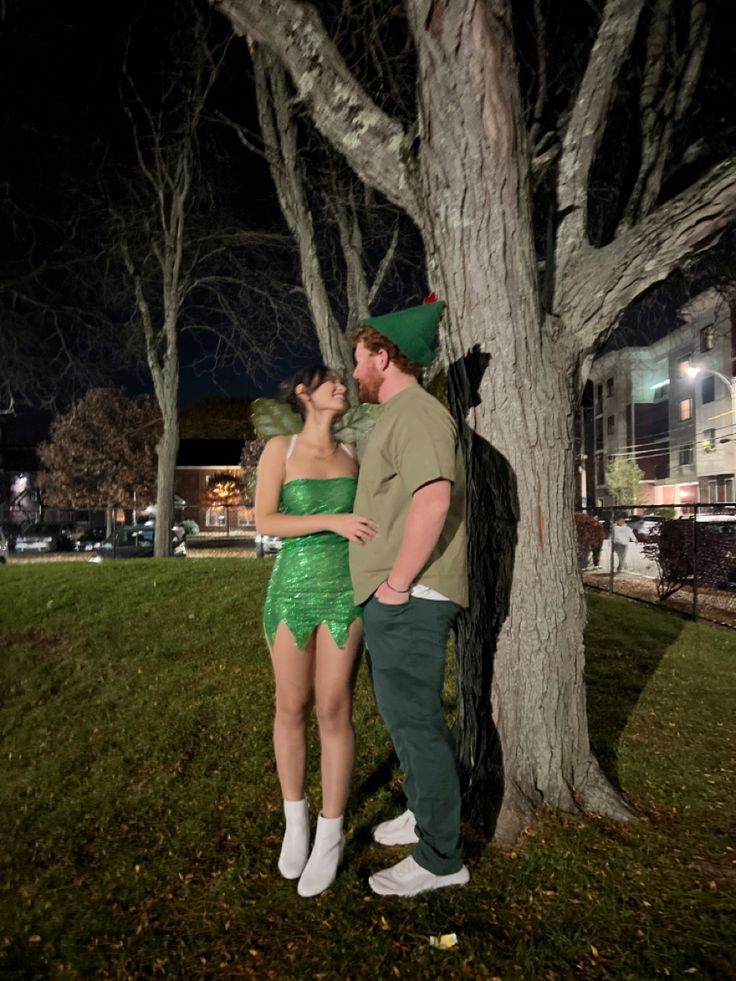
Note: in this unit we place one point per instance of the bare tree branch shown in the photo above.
(587, 123)
(541, 94)
(611, 277)
(279, 130)
(664, 99)
(49, 348)
(375, 145)
(351, 241)
(385, 264)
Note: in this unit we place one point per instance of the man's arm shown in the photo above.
(424, 524)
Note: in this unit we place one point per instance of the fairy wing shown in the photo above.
(273, 418)
(356, 424)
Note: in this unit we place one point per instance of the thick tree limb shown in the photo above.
(604, 281)
(540, 100)
(587, 124)
(665, 100)
(384, 265)
(375, 145)
(351, 242)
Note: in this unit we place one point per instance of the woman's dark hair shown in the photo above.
(310, 378)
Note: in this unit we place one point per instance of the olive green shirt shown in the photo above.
(413, 443)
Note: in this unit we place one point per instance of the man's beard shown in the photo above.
(368, 388)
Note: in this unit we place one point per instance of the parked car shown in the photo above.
(722, 525)
(133, 542)
(644, 525)
(89, 540)
(3, 548)
(43, 538)
(267, 545)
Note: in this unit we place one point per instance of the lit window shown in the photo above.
(683, 366)
(709, 440)
(686, 410)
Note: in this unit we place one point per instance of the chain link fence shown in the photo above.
(681, 557)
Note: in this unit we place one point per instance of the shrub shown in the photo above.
(672, 549)
(589, 534)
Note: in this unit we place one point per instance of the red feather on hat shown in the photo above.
(432, 298)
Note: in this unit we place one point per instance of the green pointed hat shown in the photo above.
(413, 330)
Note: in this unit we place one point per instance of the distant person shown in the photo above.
(598, 536)
(622, 535)
(305, 492)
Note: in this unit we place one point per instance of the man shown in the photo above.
(622, 535)
(412, 580)
(598, 536)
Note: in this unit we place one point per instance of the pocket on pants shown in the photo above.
(387, 615)
(389, 607)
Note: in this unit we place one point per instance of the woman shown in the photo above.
(305, 492)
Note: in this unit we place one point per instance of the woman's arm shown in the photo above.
(270, 521)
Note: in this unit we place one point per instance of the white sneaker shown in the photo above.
(407, 878)
(399, 831)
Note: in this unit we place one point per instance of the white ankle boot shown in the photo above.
(321, 869)
(295, 847)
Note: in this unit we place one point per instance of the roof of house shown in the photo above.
(210, 453)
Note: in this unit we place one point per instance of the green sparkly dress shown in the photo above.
(310, 583)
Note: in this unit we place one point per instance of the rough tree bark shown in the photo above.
(515, 369)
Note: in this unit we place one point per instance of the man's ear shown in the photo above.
(383, 359)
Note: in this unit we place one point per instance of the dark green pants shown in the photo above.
(406, 651)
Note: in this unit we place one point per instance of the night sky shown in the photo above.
(60, 62)
(62, 124)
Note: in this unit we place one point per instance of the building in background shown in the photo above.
(198, 462)
(670, 407)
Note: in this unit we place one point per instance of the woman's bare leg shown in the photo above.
(334, 680)
(294, 674)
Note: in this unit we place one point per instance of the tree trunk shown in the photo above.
(166, 384)
(512, 380)
(462, 174)
(166, 450)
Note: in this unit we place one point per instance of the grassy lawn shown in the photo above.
(140, 814)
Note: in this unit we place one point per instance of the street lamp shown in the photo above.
(695, 370)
